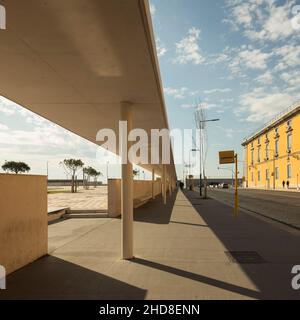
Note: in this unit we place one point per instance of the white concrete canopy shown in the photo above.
(74, 61)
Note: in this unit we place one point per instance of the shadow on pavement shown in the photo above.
(196, 277)
(50, 278)
(152, 211)
(278, 247)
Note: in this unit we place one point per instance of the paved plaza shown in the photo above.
(91, 199)
(180, 253)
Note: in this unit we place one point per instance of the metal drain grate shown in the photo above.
(245, 257)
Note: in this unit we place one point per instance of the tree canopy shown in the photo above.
(15, 167)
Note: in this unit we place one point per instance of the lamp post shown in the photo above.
(201, 126)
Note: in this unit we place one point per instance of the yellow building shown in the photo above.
(272, 154)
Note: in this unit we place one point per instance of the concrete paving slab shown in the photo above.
(179, 254)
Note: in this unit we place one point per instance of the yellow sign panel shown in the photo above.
(226, 157)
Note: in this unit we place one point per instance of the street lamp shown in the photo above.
(201, 124)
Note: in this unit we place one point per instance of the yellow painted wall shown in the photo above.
(23, 220)
(281, 161)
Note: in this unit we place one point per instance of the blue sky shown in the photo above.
(239, 59)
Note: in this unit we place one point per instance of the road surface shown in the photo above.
(281, 206)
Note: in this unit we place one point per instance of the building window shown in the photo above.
(258, 175)
(258, 155)
(277, 147)
(277, 173)
(252, 156)
(289, 171)
(258, 141)
(289, 124)
(276, 131)
(252, 176)
(289, 142)
(267, 151)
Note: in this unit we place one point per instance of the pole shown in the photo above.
(153, 178)
(107, 163)
(126, 186)
(164, 184)
(200, 156)
(236, 204)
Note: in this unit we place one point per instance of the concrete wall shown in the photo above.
(142, 192)
(23, 220)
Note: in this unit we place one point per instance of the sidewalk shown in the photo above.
(180, 254)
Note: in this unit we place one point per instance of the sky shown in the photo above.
(239, 59)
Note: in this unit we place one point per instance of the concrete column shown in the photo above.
(170, 185)
(164, 184)
(153, 179)
(126, 186)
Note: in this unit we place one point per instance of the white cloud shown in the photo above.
(7, 107)
(265, 78)
(176, 93)
(244, 58)
(204, 106)
(3, 127)
(161, 48)
(262, 19)
(289, 56)
(292, 79)
(188, 49)
(250, 59)
(276, 23)
(226, 90)
(152, 9)
(259, 105)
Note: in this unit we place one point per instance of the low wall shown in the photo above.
(23, 220)
(142, 192)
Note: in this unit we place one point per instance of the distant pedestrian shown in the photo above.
(283, 184)
(181, 184)
(288, 184)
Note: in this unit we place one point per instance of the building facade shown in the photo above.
(272, 154)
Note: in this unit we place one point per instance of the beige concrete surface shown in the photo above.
(180, 254)
(74, 66)
(142, 192)
(23, 220)
(91, 199)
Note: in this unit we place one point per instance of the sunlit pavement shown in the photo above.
(91, 199)
(180, 254)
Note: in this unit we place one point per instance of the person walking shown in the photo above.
(283, 184)
(288, 184)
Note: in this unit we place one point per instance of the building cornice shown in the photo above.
(281, 117)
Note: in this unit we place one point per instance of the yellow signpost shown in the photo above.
(226, 157)
(229, 157)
